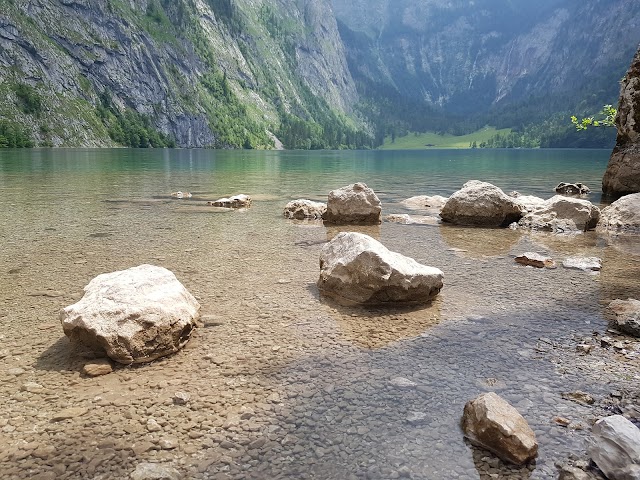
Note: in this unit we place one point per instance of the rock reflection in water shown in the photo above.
(479, 242)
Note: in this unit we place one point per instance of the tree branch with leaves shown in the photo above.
(605, 118)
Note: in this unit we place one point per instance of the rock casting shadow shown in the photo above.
(65, 356)
(485, 460)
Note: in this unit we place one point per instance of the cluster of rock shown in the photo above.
(302, 209)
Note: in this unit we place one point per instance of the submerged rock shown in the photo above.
(616, 448)
(562, 214)
(134, 315)
(626, 316)
(622, 176)
(354, 204)
(572, 189)
(301, 209)
(535, 260)
(237, 201)
(490, 422)
(356, 269)
(483, 205)
(622, 215)
(583, 263)
(405, 219)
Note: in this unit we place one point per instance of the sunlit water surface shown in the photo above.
(284, 384)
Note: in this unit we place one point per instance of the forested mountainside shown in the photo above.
(194, 73)
(503, 62)
(307, 74)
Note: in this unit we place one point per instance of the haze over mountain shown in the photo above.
(236, 73)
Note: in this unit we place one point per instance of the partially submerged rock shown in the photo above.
(616, 448)
(354, 204)
(301, 209)
(483, 205)
(405, 219)
(435, 202)
(533, 259)
(134, 315)
(622, 215)
(490, 422)
(626, 316)
(181, 195)
(356, 269)
(562, 215)
(572, 189)
(237, 201)
(583, 263)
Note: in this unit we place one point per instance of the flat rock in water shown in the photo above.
(301, 209)
(481, 204)
(155, 471)
(403, 383)
(492, 423)
(354, 204)
(357, 269)
(535, 260)
(69, 413)
(134, 315)
(97, 368)
(405, 219)
(237, 201)
(583, 263)
(622, 215)
(616, 448)
(626, 316)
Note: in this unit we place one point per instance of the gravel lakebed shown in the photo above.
(278, 382)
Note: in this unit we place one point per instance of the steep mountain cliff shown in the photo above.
(222, 73)
(470, 55)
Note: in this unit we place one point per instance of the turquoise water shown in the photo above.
(308, 380)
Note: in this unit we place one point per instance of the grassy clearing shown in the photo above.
(425, 141)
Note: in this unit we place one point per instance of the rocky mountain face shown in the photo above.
(622, 176)
(222, 73)
(471, 55)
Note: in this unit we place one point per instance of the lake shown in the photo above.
(283, 383)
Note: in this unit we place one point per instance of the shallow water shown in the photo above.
(283, 383)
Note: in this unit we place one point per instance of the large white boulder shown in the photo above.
(562, 214)
(481, 204)
(134, 315)
(301, 209)
(356, 269)
(490, 422)
(626, 315)
(354, 204)
(616, 448)
(623, 214)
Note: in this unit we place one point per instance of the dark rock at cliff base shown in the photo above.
(623, 172)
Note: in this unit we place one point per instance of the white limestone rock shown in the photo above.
(626, 316)
(616, 448)
(481, 204)
(490, 422)
(354, 204)
(622, 215)
(530, 202)
(356, 269)
(562, 214)
(134, 315)
(301, 209)
(425, 202)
